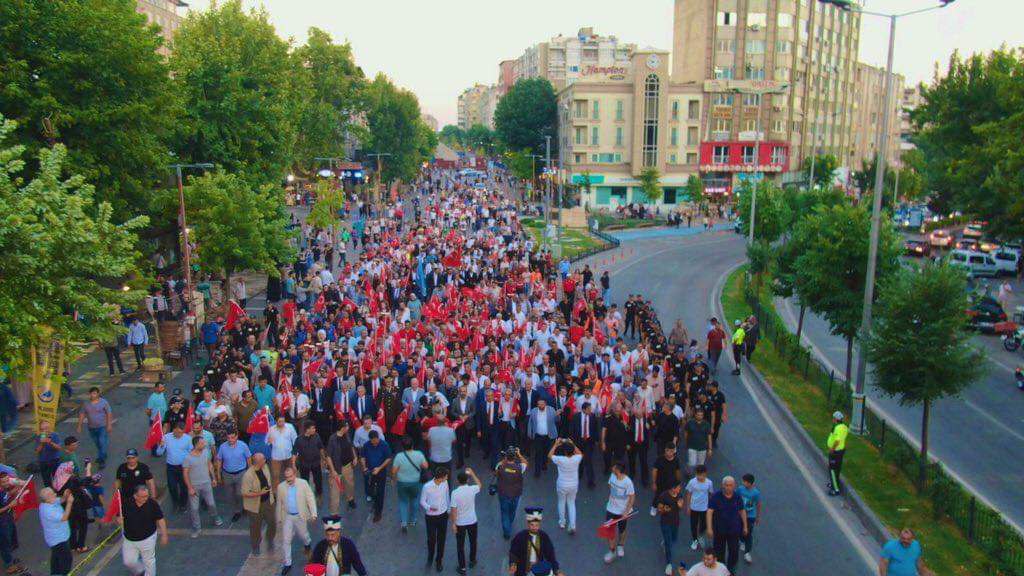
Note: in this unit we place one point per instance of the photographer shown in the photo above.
(566, 456)
(508, 476)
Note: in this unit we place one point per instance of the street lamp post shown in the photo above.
(378, 156)
(186, 249)
(781, 89)
(857, 419)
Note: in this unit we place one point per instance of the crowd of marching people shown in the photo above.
(405, 347)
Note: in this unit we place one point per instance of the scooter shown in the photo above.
(1013, 341)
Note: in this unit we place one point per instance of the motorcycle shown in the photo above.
(1013, 341)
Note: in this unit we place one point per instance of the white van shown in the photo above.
(1006, 260)
(975, 263)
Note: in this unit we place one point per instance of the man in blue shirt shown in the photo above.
(902, 557)
(56, 530)
(752, 504)
(233, 459)
(376, 457)
(138, 337)
(210, 331)
(176, 446)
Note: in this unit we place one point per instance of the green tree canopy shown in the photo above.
(480, 138)
(396, 128)
(528, 114)
(453, 136)
(830, 272)
(650, 186)
(237, 227)
(969, 135)
(695, 191)
(825, 166)
(331, 87)
(238, 82)
(63, 254)
(920, 315)
(89, 69)
(772, 216)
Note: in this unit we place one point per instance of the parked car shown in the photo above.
(917, 248)
(975, 263)
(1006, 261)
(1014, 246)
(972, 230)
(987, 245)
(940, 239)
(968, 244)
(985, 313)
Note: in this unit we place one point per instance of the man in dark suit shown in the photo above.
(321, 400)
(586, 429)
(463, 408)
(489, 426)
(362, 404)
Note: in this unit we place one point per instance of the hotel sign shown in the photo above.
(722, 112)
(615, 73)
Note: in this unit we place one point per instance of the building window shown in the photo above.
(759, 19)
(778, 126)
(785, 20)
(778, 155)
(593, 157)
(675, 136)
(748, 155)
(720, 99)
(620, 193)
(722, 125)
(652, 88)
(782, 73)
(724, 73)
(691, 158)
(671, 158)
(783, 46)
(581, 135)
(596, 112)
(691, 136)
(618, 136)
(751, 99)
(754, 72)
(581, 109)
(593, 136)
(675, 109)
(693, 110)
(750, 125)
(720, 155)
(579, 158)
(726, 18)
(725, 46)
(755, 46)
(668, 196)
(618, 110)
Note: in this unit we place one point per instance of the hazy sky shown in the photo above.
(437, 48)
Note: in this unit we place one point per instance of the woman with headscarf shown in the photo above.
(679, 336)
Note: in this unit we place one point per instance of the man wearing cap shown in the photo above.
(531, 547)
(836, 449)
(335, 552)
(133, 473)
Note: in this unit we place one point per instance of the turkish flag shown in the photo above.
(156, 434)
(259, 423)
(235, 313)
(113, 509)
(27, 499)
(398, 428)
(320, 304)
(381, 421)
(190, 419)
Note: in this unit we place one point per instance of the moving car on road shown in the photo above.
(975, 263)
(968, 244)
(1006, 261)
(940, 239)
(972, 230)
(917, 248)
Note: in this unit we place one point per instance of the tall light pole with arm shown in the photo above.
(186, 249)
(857, 421)
(780, 89)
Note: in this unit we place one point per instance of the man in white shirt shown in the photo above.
(281, 438)
(710, 566)
(434, 499)
(463, 512)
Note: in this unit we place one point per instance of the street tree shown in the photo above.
(330, 86)
(480, 139)
(235, 226)
(772, 216)
(395, 128)
(65, 259)
(825, 166)
(527, 114)
(695, 192)
(831, 271)
(86, 73)
(330, 199)
(919, 346)
(650, 185)
(453, 136)
(238, 81)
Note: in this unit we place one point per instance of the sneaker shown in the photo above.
(561, 524)
(218, 521)
(693, 545)
(748, 558)
(743, 547)
(286, 569)
(608, 557)
(654, 511)
(255, 551)
(194, 534)
(572, 530)
(405, 528)
(620, 551)
(236, 517)
(668, 570)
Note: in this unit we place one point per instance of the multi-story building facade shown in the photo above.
(430, 121)
(163, 13)
(617, 121)
(776, 76)
(469, 108)
(912, 98)
(869, 110)
(488, 103)
(564, 59)
(506, 76)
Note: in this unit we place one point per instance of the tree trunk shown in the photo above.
(800, 321)
(922, 465)
(849, 357)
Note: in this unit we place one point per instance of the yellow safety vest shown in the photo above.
(739, 335)
(838, 435)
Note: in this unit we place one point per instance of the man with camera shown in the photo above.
(508, 485)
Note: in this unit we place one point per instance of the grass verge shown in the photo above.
(573, 241)
(889, 493)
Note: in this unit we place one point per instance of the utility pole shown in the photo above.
(186, 248)
(378, 194)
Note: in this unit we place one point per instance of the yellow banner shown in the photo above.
(45, 399)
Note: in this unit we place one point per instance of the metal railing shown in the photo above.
(984, 527)
(609, 242)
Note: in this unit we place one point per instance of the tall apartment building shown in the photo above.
(564, 59)
(912, 98)
(430, 121)
(163, 13)
(734, 49)
(469, 107)
(869, 98)
(506, 76)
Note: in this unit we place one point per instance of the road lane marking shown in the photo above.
(908, 436)
(868, 556)
(645, 257)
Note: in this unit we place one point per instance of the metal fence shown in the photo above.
(609, 242)
(984, 527)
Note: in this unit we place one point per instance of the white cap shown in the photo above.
(837, 415)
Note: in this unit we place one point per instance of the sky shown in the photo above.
(438, 48)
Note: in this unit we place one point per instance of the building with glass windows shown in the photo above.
(617, 121)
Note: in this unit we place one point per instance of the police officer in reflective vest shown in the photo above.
(836, 448)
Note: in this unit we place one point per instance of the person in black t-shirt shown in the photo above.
(132, 474)
(719, 410)
(669, 504)
(666, 473)
(141, 519)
